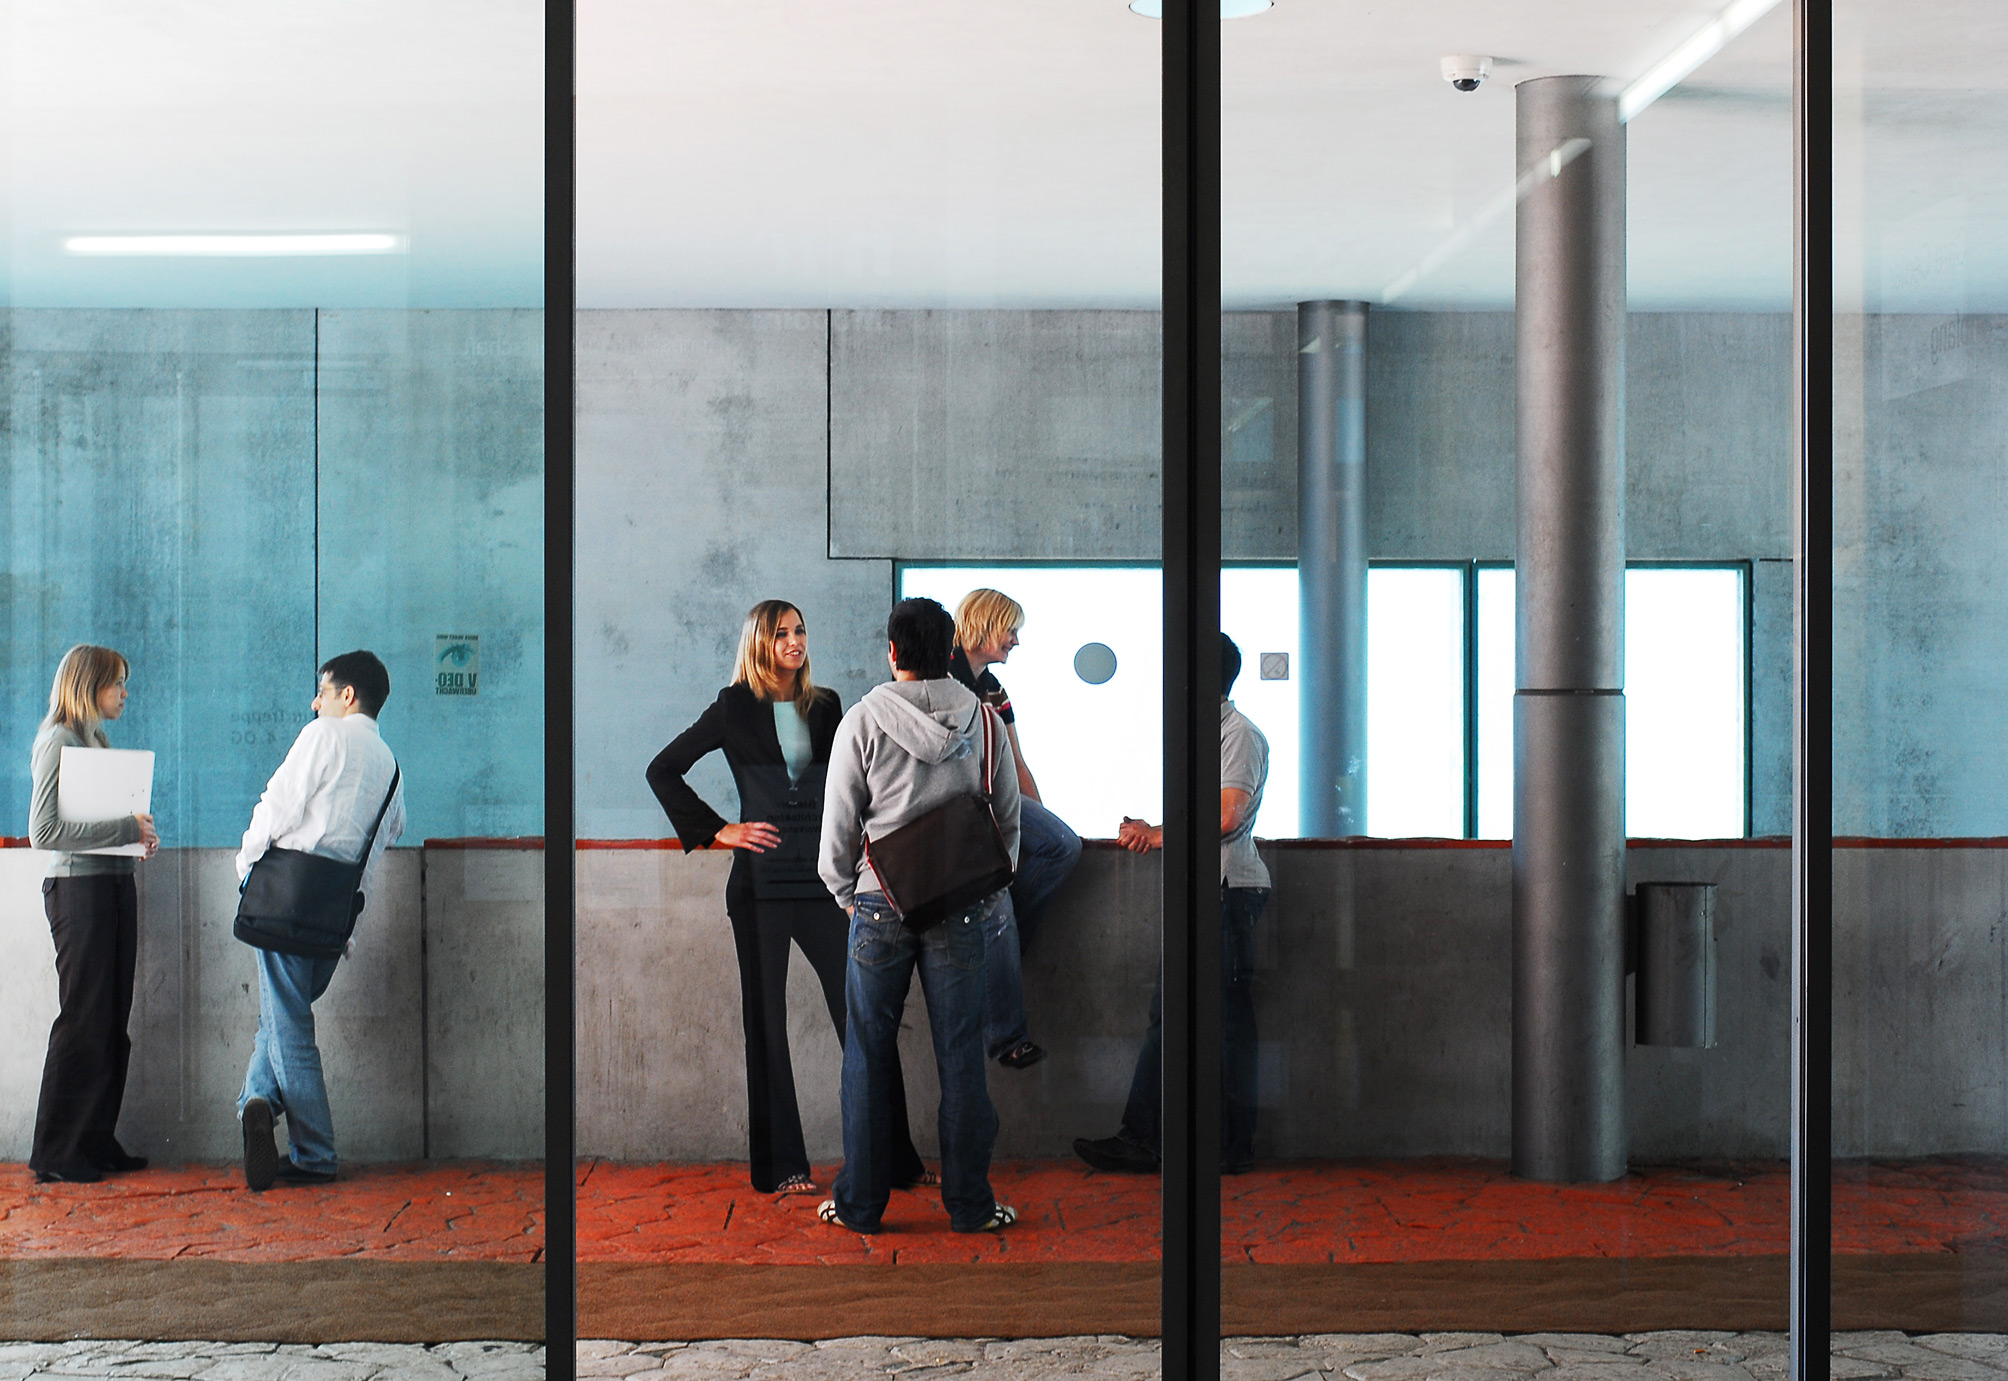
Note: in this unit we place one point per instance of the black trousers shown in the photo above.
(95, 923)
(761, 933)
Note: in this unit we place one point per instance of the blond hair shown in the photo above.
(85, 671)
(984, 615)
(755, 668)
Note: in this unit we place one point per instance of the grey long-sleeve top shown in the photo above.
(47, 831)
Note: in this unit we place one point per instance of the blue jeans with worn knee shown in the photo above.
(1048, 849)
(285, 1066)
(883, 957)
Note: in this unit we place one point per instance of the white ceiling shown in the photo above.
(956, 152)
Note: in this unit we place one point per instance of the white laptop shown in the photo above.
(96, 784)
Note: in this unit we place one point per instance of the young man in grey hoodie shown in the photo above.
(901, 751)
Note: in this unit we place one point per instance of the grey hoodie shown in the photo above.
(902, 750)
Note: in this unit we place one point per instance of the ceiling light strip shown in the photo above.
(1677, 65)
(245, 246)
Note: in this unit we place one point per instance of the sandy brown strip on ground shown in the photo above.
(276, 1302)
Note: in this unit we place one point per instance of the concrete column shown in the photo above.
(1568, 722)
(1332, 566)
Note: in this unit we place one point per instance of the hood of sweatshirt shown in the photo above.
(932, 720)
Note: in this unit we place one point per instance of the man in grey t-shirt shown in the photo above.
(1244, 888)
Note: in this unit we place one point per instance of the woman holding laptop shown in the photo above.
(93, 909)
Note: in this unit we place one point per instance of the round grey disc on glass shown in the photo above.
(1095, 663)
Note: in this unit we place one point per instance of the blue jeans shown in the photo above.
(1048, 849)
(285, 1063)
(884, 954)
(1143, 1117)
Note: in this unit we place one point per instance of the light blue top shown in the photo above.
(797, 749)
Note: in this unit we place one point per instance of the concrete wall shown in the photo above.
(431, 1034)
(1034, 435)
(215, 492)
(1384, 1003)
(157, 476)
(703, 452)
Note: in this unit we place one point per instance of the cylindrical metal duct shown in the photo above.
(1673, 997)
(1568, 733)
(1332, 567)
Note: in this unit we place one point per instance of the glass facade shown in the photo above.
(1496, 1013)
(271, 348)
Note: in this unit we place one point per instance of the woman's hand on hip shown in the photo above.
(757, 835)
(148, 835)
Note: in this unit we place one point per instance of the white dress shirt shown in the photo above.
(325, 796)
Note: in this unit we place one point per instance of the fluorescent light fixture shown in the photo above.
(1677, 65)
(239, 246)
(1229, 9)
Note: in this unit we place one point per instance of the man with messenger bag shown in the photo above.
(920, 838)
(308, 861)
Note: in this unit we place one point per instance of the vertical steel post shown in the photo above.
(1568, 719)
(1191, 934)
(1813, 693)
(1332, 567)
(561, 1271)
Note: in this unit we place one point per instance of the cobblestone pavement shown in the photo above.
(1676, 1356)
(273, 1361)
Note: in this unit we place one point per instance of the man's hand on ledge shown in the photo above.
(1140, 837)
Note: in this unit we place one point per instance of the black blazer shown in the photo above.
(742, 724)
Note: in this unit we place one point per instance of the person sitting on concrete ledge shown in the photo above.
(986, 629)
(337, 783)
(1244, 889)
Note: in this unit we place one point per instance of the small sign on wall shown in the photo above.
(1275, 666)
(456, 663)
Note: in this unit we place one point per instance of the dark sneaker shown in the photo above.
(1117, 1154)
(81, 1173)
(261, 1152)
(290, 1173)
(118, 1158)
(1023, 1055)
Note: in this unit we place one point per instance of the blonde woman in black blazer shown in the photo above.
(775, 727)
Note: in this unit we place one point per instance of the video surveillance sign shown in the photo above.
(456, 664)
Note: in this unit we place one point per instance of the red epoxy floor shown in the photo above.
(418, 1212)
(1351, 1211)
(1348, 1211)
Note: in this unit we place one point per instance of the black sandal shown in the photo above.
(795, 1184)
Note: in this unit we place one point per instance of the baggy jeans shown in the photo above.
(883, 957)
(285, 1067)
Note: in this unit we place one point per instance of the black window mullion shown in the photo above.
(1813, 691)
(560, 1208)
(1191, 538)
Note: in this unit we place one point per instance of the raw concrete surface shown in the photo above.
(206, 491)
(703, 480)
(161, 1361)
(1683, 1355)
(1383, 1000)
(157, 476)
(431, 472)
(459, 985)
(1034, 436)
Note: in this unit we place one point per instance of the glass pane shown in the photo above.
(271, 340)
(1415, 702)
(877, 324)
(1920, 282)
(1529, 349)
(1685, 703)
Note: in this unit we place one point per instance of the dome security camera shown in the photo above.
(1466, 70)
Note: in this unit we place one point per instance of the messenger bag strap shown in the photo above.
(363, 860)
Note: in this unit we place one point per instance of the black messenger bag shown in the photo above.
(306, 904)
(935, 866)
